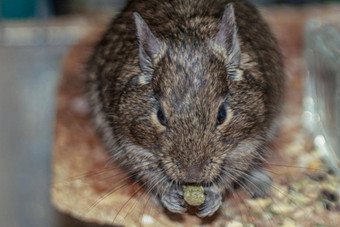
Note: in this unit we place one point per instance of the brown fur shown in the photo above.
(189, 80)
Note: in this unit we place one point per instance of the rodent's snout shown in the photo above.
(193, 174)
(190, 172)
(185, 172)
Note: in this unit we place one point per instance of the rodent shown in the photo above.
(188, 93)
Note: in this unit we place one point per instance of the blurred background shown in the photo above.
(34, 38)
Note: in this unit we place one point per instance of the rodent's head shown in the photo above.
(196, 106)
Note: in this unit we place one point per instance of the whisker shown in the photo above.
(230, 189)
(161, 181)
(82, 176)
(148, 190)
(102, 198)
(257, 165)
(112, 190)
(280, 191)
(242, 185)
(145, 184)
(107, 169)
(297, 167)
(135, 192)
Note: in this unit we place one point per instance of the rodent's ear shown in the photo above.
(226, 38)
(149, 46)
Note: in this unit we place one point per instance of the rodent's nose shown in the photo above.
(193, 174)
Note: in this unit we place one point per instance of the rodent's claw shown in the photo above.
(213, 201)
(173, 200)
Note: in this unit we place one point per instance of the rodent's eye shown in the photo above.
(222, 114)
(161, 118)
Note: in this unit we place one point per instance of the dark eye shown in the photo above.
(222, 114)
(161, 117)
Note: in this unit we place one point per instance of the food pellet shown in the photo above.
(194, 195)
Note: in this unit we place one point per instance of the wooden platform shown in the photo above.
(88, 186)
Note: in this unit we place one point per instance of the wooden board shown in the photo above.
(87, 185)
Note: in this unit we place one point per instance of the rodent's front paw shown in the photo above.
(213, 200)
(173, 200)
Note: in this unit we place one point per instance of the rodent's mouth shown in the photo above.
(194, 184)
(191, 184)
